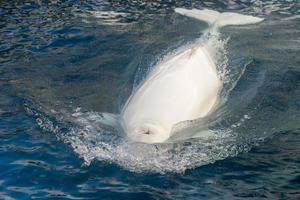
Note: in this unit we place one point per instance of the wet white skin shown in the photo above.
(183, 87)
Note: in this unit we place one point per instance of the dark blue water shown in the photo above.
(63, 63)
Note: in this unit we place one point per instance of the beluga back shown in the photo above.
(185, 86)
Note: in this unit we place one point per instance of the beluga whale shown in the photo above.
(182, 87)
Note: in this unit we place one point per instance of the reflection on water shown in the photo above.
(63, 63)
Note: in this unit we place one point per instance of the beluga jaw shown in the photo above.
(183, 87)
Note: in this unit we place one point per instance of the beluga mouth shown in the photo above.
(147, 133)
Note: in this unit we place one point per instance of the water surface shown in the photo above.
(63, 63)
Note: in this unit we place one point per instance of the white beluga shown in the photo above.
(184, 86)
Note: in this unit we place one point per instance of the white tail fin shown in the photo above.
(219, 19)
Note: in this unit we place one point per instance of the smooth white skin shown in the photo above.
(184, 87)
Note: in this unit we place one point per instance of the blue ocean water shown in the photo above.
(63, 63)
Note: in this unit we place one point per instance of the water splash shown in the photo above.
(93, 142)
